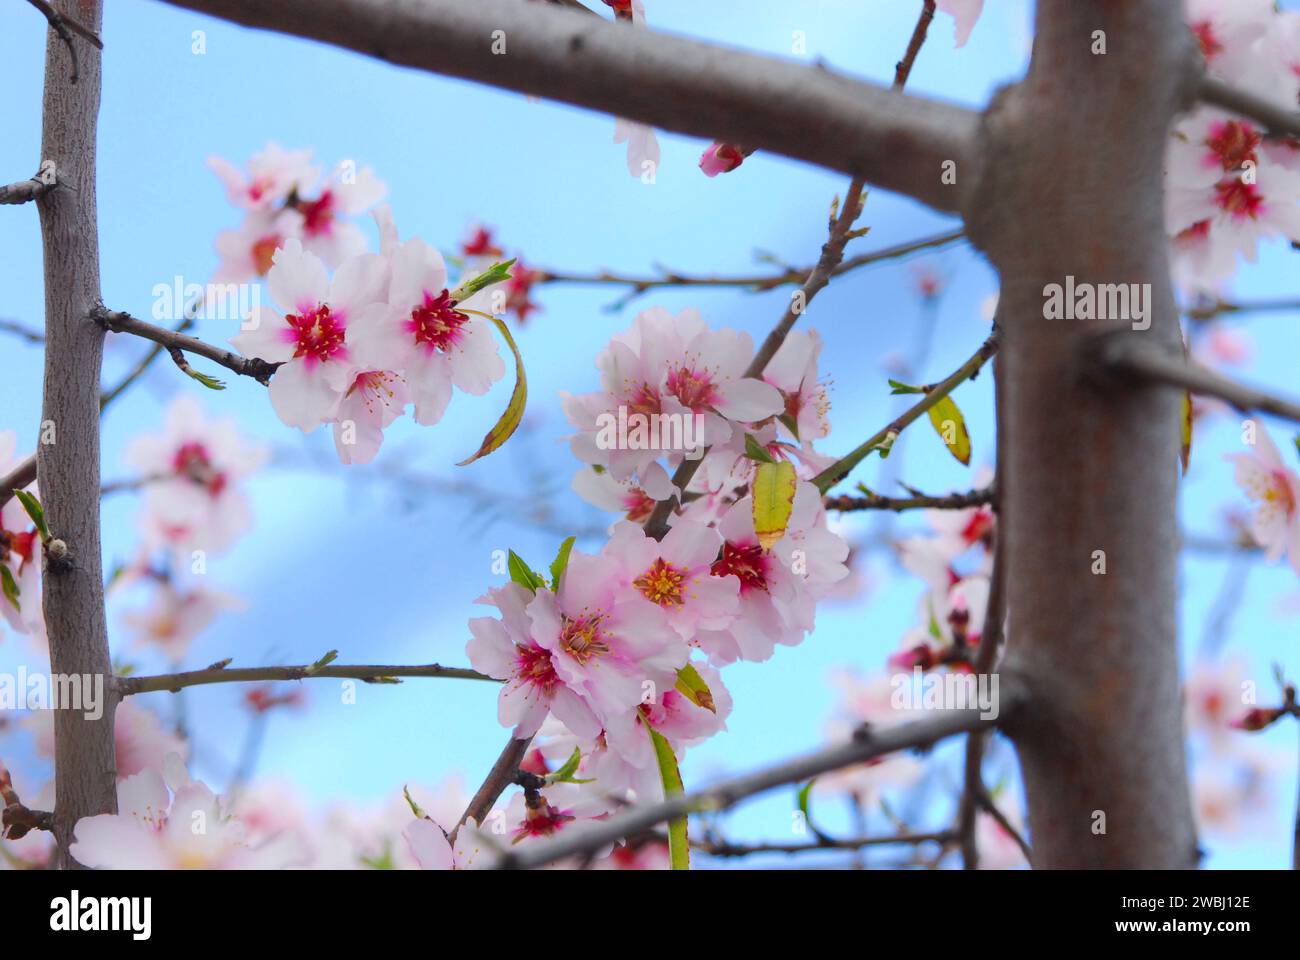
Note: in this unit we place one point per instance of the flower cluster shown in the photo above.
(600, 658)
(1227, 187)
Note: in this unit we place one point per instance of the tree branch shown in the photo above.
(917, 734)
(1276, 120)
(723, 849)
(220, 672)
(951, 501)
(25, 190)
(16, 820)
(840, 469)
(22, 475)
(501, 775)
(1123, 354)
(755, 283)
(177, 343)
(896, 141)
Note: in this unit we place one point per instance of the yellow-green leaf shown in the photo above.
(1185, 451)
(514, 414)
(692, 686)
(951, 427)
(679, 848)
(774, 486)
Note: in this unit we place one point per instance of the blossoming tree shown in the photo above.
(1148, 150)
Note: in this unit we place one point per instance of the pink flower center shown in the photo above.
(192, 462)
(533, 666)
(1233, 143)
(437, 323)
(638, 505)
(263, 252)
(317, 335)
(644, 401)
(1209, 41)
(1279, 492)
(979, 527)
(747, 563)
(378, 388)
(542, 820)
(318, 214)
(662, 584)
(1241, 200)
(694, 388)
(582, 639)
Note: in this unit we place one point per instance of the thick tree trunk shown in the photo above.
(68, 467)
(1071, 185)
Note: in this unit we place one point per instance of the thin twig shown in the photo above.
(986, 802)
(1277, 121)
(221, 673)
(22, 475)
(917, 734)
(951, 501)
(1220, 308)
(724, 849)
(501, 775)
(65, 27)
(969, 370)
(754, 283)
(176, 343)
(17, 820)
(24, 332)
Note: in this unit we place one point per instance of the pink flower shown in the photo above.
(965, 13)
(19, 553)
(186, 828)
(668, 366)
(779, 588)
(432, 340)
(313, 340)
(1270, 482)
(175, 615)
(272, 176)
(721, 158)
(605, 641)
(673, 574)
(141, 741)
(194, 472)
(793, 371)
(505, 649)
(432, 849)
(601, 490)
(642, 147)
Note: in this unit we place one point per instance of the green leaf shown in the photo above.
(10, 586)
(805, 805)
(212, 383)
(900, 387)
(410, 802)
(324, 661)
(756, 451)
(774, 488)
(679, 848)
(514, 413)
(522, 574)
(1185, 448)
(566, 773)
(35, 511)
(561, 563)
(951, 427)
(692, 686)
(496, 273)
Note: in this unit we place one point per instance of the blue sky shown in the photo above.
(342, 558)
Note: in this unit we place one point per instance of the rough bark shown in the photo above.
(69, 466)
(1071, 184)
(894, 140)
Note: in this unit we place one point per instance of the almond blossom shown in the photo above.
(173, 824)
(1266, 479)
(779, 587)
(140, 740)
(312, 340)
(674, 366)
(965, 13)
(19, 554)
(193, 474)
